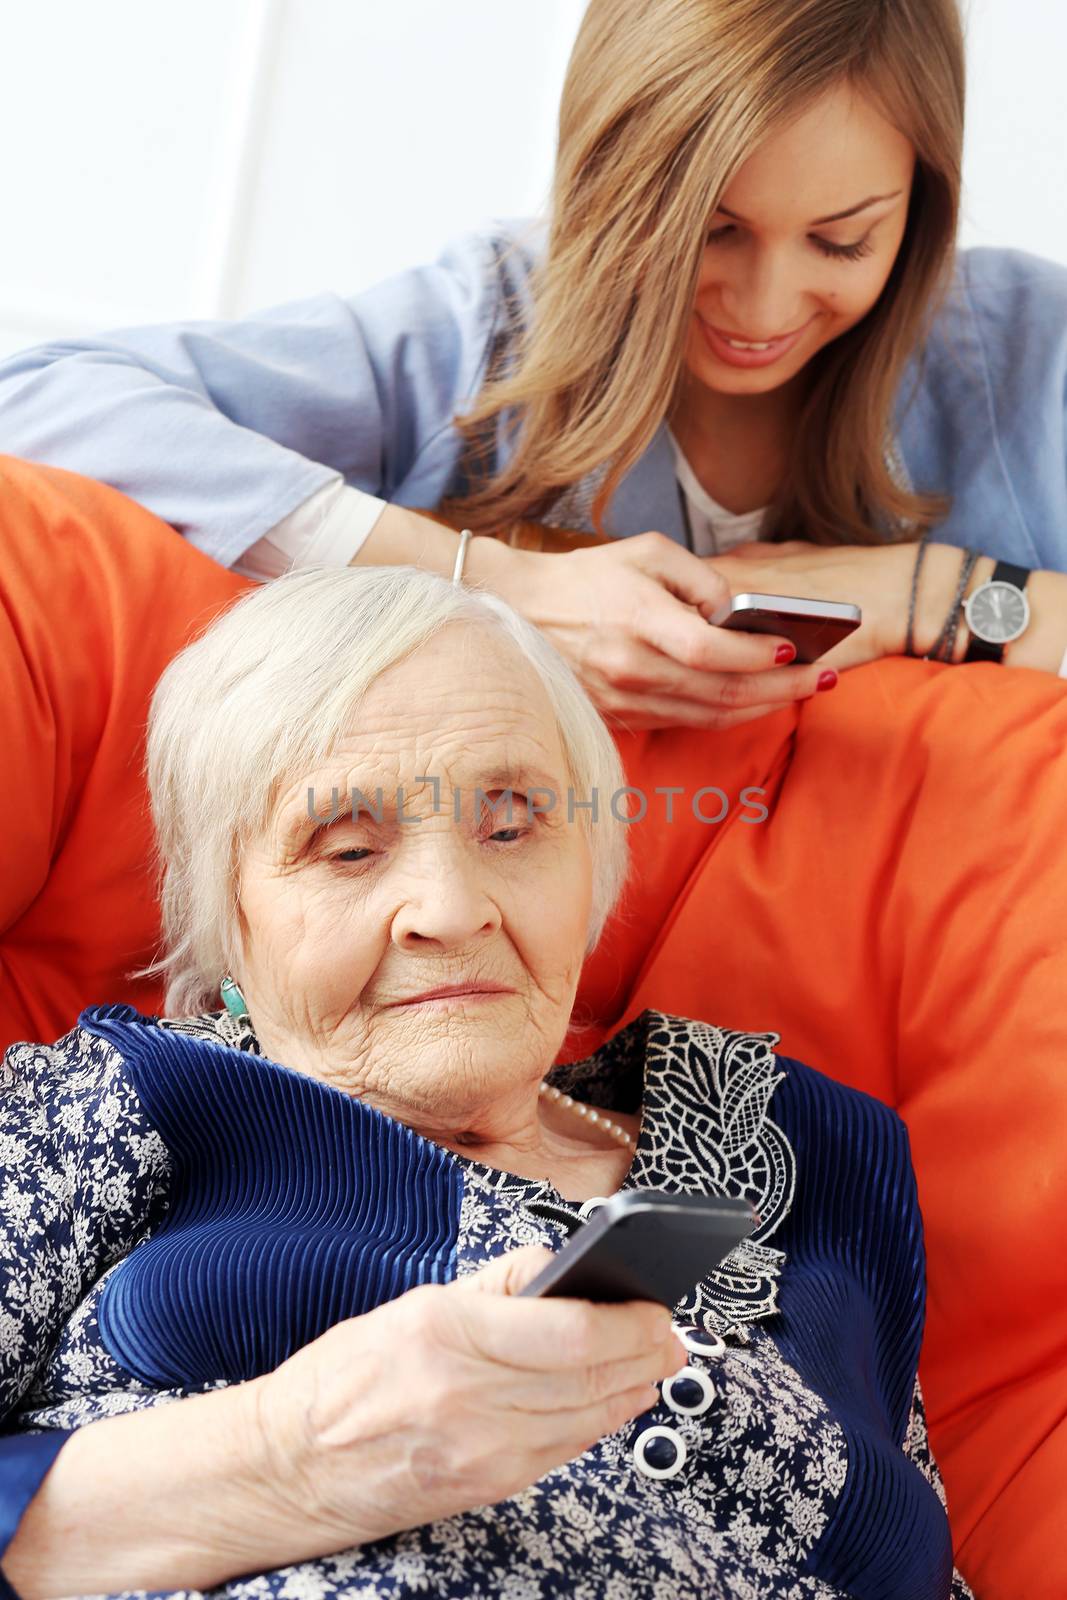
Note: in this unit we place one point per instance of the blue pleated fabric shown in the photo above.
(294, 1207)
(853, 1305)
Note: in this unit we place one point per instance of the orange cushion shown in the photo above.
(901, 919)
(96, 596)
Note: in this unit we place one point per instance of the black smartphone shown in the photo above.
(645, 1245)
(812, 626)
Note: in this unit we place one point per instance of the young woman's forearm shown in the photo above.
(171, 1498)
(1045, 640)
(402, 538)
(880, 578)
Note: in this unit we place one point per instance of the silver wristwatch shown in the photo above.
(997, 612)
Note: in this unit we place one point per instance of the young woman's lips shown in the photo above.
(776, 348)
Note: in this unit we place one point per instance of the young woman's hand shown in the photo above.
(631, 618)
(445, 1399)
(875, 578)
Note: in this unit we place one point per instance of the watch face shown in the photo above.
(997, 613)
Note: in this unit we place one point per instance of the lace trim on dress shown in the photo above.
(705, 1129)
(217, 1027)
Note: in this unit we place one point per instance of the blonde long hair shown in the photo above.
(663, 103)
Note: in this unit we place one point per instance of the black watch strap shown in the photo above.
(1003, 572)
(1008, 572)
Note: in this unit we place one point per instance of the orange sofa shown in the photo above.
(96, 596)
(899, 916)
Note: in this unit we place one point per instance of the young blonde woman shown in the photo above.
(744, 351)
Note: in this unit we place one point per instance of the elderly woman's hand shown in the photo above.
(631, 619)
(449, 1398)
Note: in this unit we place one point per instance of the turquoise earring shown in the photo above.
(232, 998)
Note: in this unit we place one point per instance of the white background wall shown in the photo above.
(176, 158)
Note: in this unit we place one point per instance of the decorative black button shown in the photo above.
(689, 1392)
(659, 1452)
(699, 1342)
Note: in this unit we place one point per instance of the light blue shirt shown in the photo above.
(224, 428)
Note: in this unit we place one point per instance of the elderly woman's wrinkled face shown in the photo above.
(427, 960)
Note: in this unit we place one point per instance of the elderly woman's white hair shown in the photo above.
(269, 690)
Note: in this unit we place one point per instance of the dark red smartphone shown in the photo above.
(811, 626)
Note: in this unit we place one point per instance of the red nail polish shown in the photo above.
(784, 654)
(826, 680)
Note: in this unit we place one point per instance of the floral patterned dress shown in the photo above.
(789, 1462)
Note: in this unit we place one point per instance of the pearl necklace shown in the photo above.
(589, 1114)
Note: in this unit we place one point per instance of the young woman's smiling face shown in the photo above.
(782, 265)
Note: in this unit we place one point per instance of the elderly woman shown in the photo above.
(259, 1329)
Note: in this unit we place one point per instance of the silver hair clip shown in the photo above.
(461, 555)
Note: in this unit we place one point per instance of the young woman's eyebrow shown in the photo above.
(820, 222)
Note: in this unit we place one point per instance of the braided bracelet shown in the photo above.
(968, 567)
(920, 557)
(945, 643)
